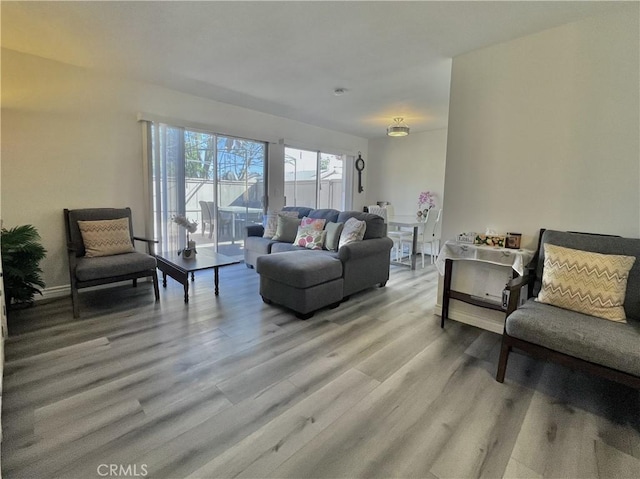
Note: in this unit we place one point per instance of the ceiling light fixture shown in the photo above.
(339, 91)
(398, 128)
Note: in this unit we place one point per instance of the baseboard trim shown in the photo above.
(65, 290)
(54, 292)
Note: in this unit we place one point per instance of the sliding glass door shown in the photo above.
(240, 186)
(331, 187)
(215, 180)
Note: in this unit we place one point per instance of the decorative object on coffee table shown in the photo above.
(191, 226)
(190, 251)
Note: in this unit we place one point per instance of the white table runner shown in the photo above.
(517, 259)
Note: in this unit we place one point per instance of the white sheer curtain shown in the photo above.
(165, 183)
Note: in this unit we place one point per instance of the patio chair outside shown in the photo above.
(207, 217)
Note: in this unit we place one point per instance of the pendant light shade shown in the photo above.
(398, 128)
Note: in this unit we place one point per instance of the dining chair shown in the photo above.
(383, 211)
(429, 237)
(390, 211)
(404, 236)
(406, 239)
(207, 217)
(378, 210)
(224, 219)
(435, 237)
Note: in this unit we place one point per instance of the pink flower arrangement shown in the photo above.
(426, 200)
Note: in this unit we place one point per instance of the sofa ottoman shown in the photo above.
(303, 281)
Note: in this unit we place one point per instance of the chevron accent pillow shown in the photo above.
(589, 283)
(106, 237)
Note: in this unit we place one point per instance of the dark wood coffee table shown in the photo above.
(172, 264)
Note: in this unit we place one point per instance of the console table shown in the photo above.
(454, 251)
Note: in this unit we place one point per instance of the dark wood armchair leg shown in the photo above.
(446, 293)
(156, 290)
(74, 302)
(502, 363)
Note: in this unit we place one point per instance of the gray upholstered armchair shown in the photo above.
(100, 249)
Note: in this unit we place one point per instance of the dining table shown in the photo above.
(237, 213)
(408, 221)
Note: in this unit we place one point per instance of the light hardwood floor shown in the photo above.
(230, 387)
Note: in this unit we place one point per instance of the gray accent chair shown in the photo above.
(86, 272)
(576, 340)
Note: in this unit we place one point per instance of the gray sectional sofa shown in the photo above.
(579, 341)
(255, 245)
(306, 280)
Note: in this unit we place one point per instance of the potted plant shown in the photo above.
(21, 256)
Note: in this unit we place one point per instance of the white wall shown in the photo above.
(544, 132)
(71, 140)
(398, 169)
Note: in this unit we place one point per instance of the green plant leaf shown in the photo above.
(21, 255)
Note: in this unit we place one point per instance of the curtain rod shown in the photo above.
(143, 116)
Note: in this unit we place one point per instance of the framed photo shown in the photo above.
(513, 240)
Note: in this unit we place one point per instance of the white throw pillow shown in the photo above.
(352, 231)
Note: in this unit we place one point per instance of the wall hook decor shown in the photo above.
(360, 167)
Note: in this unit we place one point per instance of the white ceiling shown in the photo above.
(286, 58)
